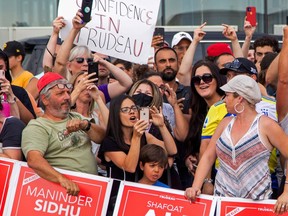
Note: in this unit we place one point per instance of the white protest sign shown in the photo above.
(119, 28)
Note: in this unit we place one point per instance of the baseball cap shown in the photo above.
(218, 49)
(245, 86)
(240, 65)
(14, 48)
(48, 78)
(179, 36)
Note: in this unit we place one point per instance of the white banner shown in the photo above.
(119, 28)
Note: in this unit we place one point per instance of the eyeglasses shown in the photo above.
(134, 108)
(80, 60)
(62, 86)
(207, 78)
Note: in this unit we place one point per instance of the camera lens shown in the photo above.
(249, 9)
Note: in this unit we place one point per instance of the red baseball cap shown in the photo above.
(218, 49)
(48, 78)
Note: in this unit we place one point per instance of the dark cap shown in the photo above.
(239, 65)
(14, 48)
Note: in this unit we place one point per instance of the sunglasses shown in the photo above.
(62, 86)
(207, 78)
(233, 65)
(80, 60)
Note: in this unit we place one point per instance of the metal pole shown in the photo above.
(266, 16)
(163, 13)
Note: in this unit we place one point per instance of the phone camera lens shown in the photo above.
(249, 9)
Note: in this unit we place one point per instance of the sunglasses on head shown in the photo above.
(80, 60)
(207, 78)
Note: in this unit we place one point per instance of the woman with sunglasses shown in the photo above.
(205, 87)
(71, 60)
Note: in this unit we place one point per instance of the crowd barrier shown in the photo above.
(23, 192)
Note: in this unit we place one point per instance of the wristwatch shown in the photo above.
(88, 125)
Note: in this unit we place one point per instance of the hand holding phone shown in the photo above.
(144, 113)
(251, 15)
(93, 68)
(2, 74)
(86, 9)
(160, 32)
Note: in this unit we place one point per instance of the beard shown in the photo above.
(168, 76)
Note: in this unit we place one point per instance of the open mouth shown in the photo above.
(132, 118)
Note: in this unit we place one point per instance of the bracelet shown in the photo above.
(208, 180)
(12, 101)
(88, 126)
(286, 182)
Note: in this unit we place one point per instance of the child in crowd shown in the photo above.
(153, 160)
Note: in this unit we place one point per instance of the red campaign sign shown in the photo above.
(6, 168)
(37, 196)
(244, 207)
(138, 199)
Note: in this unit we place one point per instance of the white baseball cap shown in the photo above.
(245, 86)
(179, 36)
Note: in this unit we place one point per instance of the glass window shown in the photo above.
(27, 12)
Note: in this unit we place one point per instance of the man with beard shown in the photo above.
(166, 63)
(60, 138)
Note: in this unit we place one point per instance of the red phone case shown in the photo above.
(251, 15)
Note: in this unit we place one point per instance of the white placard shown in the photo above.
(119, 28)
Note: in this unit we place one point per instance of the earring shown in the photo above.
(239, 111)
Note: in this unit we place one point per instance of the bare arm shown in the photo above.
(15, 154)
(96, 95)
(64, 50)
(230, 33)
(32, 87)
(129, 162)
(184, 74)
(181, 128)
(272, 72)
(49, 53)
(158, 120)
(37, 162)
(123, 82)
(249, 31)
(282, 86)
(205, 163)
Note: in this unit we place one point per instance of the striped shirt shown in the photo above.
(243, 170)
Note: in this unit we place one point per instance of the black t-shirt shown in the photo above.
(11, 133)
(109, 144)
(22, 95)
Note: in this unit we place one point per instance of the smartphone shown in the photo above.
(93, 68)
(251, 15)
(86, 9)
(161, 32)
(2, 74)
(144, 113)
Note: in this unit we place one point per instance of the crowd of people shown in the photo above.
(214, 127)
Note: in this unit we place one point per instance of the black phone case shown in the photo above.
(92, 68)
(86, 9)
